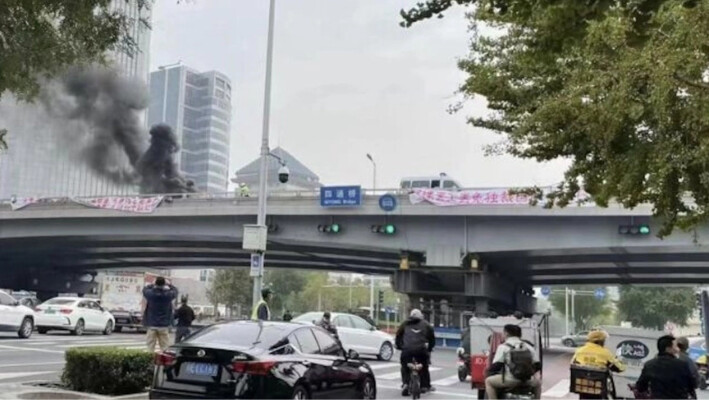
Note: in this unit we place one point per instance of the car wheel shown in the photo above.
(42, 331)
(569, 343)
(369, 389)
(300, 393)
(26, 328)
(118, 329)
(79, 329)
(386, 352)
(109, 328)
(462, 374)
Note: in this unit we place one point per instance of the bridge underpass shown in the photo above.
(516, 247)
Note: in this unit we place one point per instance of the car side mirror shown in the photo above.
(353, 355)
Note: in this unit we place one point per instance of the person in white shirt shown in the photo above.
(515, 364)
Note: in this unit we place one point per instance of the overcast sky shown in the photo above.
(347, 80)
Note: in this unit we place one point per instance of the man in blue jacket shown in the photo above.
(158, 313)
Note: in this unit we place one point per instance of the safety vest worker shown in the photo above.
(261, 312)
(594, 354)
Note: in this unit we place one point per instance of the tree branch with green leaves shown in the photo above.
(618, 88)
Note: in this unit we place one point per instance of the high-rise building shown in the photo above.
(33, 165)
(198, 108)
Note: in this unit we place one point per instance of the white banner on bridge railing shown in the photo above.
(468, 197)
(143, 205)
(17, 203)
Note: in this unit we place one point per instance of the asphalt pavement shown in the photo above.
(41, 358)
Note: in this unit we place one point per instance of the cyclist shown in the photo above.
(416, 339)
(594, 354)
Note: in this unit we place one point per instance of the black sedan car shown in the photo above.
(128, 319)
(261, 360)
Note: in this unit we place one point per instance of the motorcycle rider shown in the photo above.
(515, 364)
(594, 354)
(416, 339)
(666, 376)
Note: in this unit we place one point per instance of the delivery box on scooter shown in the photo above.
(633, 347)
(486, 336)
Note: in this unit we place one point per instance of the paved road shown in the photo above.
(41, 358)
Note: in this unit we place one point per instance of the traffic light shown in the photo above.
(641, 230)
(388, 229)
(331, 228)
(381, 296)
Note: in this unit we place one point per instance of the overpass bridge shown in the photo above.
(514, 246)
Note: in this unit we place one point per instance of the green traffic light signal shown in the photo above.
(335, 228)
(644, 229)
(390, 229)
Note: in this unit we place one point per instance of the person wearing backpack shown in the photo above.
(516, 362)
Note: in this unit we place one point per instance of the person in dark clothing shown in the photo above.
(158, 313)
(666, 376)
(416, 339)
(326, 323)
(287, 316)
(184, 316)
(683, 346)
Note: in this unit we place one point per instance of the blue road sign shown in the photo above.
(546, 290)
(341, 196)
(600, 293)
(387, 202)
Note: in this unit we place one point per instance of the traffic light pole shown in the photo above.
(705, 320)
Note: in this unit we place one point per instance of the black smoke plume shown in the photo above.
(105, 108)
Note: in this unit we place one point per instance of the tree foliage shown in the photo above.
(588, 310)
(231, 287)
(618, 87)
(652, 307)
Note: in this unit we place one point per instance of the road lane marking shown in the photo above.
(561, 389)
(117, 344)
(446, 381)
(396, 375)
(31, 364)
(433, 394)
(15, 375)
(30, 349)
(382, 366)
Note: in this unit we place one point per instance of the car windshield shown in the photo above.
(240, 334)
(59, 302)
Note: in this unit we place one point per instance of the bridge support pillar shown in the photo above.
(463, 290)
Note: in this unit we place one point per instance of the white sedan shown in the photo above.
(356, 334)
(14, 317)
(74, 314)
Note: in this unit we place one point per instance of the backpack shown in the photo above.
(520, 361)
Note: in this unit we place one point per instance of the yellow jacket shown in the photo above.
(593, 355)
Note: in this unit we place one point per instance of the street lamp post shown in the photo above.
(265, 151)
(371, 277)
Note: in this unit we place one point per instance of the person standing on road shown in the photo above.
(683, 345)
(261, 312)
(184, 316)
(666, 376)
(158, 314)
(416, 339)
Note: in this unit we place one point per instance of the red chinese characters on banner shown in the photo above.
(143, 205)
(468, 197)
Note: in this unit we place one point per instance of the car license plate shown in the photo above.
(49, 311)
(122, 321)
(201, 369)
